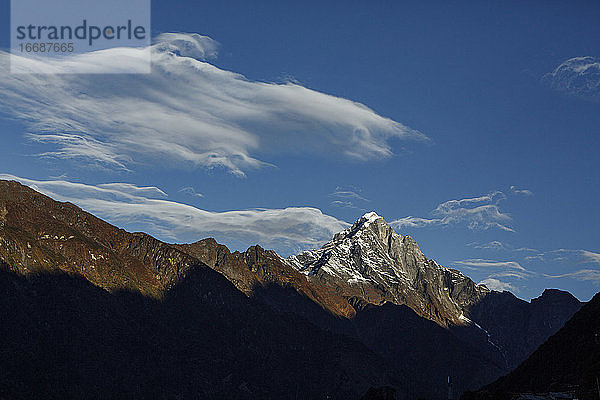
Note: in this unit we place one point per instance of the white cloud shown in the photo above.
(191, 191)
(567, 256)
(149, 191)
(590, 256)
(287, 230)
(343, 204)
(187, 113)
(479, 262)
(477, 213)
(347, 194)
(413, 222)
(493, 245)
(526, 249)
(497, 272)
(495, 284)
(581, 275)
(347, 197)
(516, 275)
(525, 192)
(578, 76)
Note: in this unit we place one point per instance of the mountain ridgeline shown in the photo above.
(90, 310)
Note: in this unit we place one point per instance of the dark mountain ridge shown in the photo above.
(42, 239)
(568, 361)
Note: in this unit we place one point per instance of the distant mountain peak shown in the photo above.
(370, 217)
(371, 262)
(555, 295)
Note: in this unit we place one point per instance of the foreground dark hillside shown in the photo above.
(63, 337)
(568, 361)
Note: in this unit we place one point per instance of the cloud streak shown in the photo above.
(581, 275)
(288, 230)
(187, 113)
(525, 192)
(576, 264)
(478, 213)
(497, 285)
(347, 197)
(479, 262)
(498, 274)
(578, 76)
(191, 191)
(493, 245)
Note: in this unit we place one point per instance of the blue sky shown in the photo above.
(480, 138)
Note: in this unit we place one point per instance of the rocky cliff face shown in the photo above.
(257, 267)
(38, 234)
(372, 263)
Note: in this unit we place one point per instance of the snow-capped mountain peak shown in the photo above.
(370, 217)
(372, 263)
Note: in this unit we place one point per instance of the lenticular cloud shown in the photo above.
(187, 113)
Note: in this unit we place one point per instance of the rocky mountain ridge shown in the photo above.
(371, 262)
(368, 285)
(38, 234)
(257, 267)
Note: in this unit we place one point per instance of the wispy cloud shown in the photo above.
(589, 256)
(526, 250)
(348, 197)
(581, 275)
(498, 274)
(578, 76)
(148, 191)
(482, 212)
(493, 245)
(525, 192)
(495, 284)
(575, 264)
(479, 262)
(565, 256)
(287, 230)
(191, 191)
(187, 113)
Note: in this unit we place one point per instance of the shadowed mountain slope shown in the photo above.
(568, 361)
(63, 337)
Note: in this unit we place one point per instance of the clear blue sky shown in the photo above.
(475, 78)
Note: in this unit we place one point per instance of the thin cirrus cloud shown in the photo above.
(577, 76)
(592, 275)
(191, 191)
(577, 264)
(498, 274)
(187, 113)
(348, 197)
(525, 192)
(493, 245)
(287, 230)
(570, 256)
(483, 263)
(477, 213)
